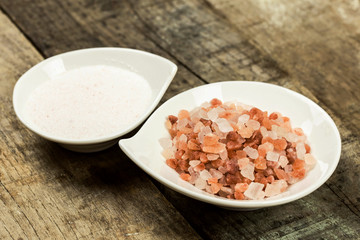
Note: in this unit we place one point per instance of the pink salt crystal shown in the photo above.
(200, 183)
(272, 190)
(208, 189)
(212, 157)
(246, 132)
(198, 126)
(223, 154)
(281, 184)
(227, 190)
(217, 148)
(248, 171)
(203, 114)
(183, 138)
(204, 131)
(204, 174)
(222, 169)
(168, 124)
(309, 160)
(193, 177)
(272, 156)
(243, 119)
(253, 124)
(300, 150)
(283, 161)
(191, 170)
(182, 123)
(224, 125)
(165, 143)
(213, 114)
(280, 131)
(291, 137)
(194, 163)
(264, 132)
(168, 153)
(215, 173)
(243, 162)
(216, 129)
(254, 191)
(251, 152)
(272, 134)
(288, 168)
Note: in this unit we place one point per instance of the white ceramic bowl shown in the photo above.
(144, 148)
(157, 70)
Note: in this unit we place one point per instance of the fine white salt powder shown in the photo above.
(89, 102)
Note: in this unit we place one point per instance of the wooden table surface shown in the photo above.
(312, 47)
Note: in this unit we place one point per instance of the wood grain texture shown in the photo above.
(47, 192)
(310, 47)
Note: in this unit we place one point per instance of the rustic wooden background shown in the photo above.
(312, 47)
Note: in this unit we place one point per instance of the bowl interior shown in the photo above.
(323, 136)
(157, 70)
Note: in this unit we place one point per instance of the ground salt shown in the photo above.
(89, 102)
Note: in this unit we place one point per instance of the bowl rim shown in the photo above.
(108, 137)
(231, 203)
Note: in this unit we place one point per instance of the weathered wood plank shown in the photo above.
(48, 192)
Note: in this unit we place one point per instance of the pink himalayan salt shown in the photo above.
(283, 161)
(224, 125)
(215, 173)
(182, 123)
(204, 131)
(198, 126)
(88, 102)
(243, 119)
(248, 171)
(204, 174)
(200, 183)
(309, 160)
(272, 156)
(251, 152)
(243, 162)
(255, 191)
(245, 132)
(227, 190)
(275, 188)
(212, 157)
(253, 124)
(223, 155)
(300, 150)
(264, 132)
(194, 163)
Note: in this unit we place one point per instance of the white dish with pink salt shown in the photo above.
(242, 163)
(86, 99)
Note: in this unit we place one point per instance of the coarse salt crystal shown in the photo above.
(212, 157)
(253, 124)
(283, 161)
(251, 152)
(200, 183)
(272, 156)
(204, 174)
(194, 163)
(243, 119)
(248, 171)
(300, 150)
(224, 125)
(215, 173)
(254, 191)
(223, 154)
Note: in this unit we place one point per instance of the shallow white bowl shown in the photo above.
(157, 70)
(144, 148)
